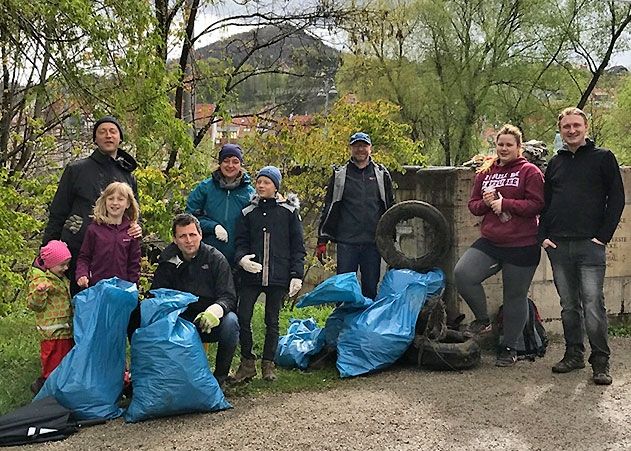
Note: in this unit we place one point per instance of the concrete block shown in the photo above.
(626, 294)
(449, 190)
(544, 270)
(554, 327)
(545, 296)
(613, 295)
(619, 248)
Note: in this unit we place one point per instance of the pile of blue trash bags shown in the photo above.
(168, 363)
(367, 335)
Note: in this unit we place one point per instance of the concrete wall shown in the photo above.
(448, 189)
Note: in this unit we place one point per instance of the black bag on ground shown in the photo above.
(41, 421)
(533, 342)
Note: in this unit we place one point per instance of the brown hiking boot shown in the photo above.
(246, 371)
(572, 360)
(267, 367)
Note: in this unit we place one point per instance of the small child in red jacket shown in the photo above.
(108, 250)
(49, 297)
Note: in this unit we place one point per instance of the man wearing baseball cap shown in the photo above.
(357, 195)
(81, 184)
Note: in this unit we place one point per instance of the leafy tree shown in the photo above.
(306, 154)
(615, 129)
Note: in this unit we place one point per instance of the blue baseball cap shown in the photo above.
(360, 136)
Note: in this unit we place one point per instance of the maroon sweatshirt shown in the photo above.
(109, 251)
(521, 185)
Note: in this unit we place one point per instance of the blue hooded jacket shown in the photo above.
(213, 204)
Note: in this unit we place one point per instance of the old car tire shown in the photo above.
(454, 352)
(386, 235)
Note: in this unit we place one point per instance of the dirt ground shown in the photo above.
(521, 408)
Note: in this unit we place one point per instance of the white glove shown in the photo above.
(221, 233)
(294, 287)
(250, 266)
(209, 318)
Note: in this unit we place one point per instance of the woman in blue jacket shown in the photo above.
(217, 201)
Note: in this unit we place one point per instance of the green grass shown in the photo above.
(19, 359)
(620, 330)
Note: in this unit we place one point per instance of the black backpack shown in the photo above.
(533, 342)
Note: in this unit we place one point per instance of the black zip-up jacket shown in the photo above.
(271, 230)
(584, 195)
(80, 186)
(208, 276)
(370, 194)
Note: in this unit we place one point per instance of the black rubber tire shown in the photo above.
(455, 352)
(386, 235)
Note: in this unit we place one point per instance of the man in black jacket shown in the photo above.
(584, 199)
(189, 265)
(81, 185)
(357, 195)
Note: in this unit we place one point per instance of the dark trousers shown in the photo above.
(578, 269)
(274, 296)
(473, 268)
(226, 335)
(70, 273)
(364, 256)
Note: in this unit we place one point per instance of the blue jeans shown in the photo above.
(578, 268)
(226, 335)
(364, 256)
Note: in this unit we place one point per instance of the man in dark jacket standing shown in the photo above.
(80, 186)
(357, 195)
(584, 199)
(189, 265)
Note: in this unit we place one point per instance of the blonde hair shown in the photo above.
(507, 129)
(100, 211)
(571, 111)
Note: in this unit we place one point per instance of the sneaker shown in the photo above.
(506, 357)
(572, 360)
(601, 374)
(478, 327)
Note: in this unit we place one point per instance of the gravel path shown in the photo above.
(520, 408)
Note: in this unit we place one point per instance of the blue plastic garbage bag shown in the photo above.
(342, 317)
(89, 380)
(339, 288)
(304, 338)
(380, 334)
(169, 367)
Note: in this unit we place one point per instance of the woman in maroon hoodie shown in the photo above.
(107, 248)
(508, 193)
